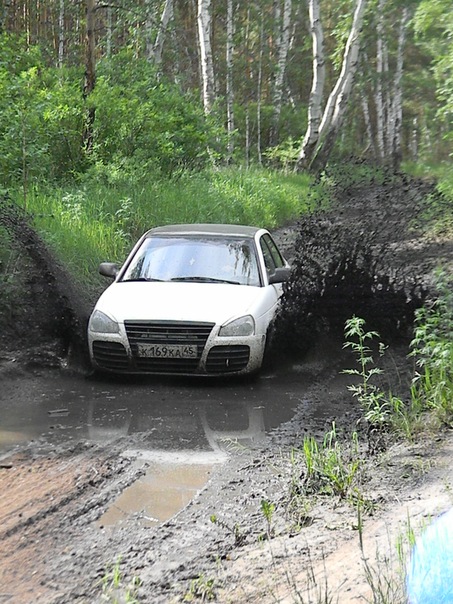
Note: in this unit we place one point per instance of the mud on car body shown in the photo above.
(189, 299)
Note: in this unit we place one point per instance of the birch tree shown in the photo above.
(154, 49)
(90, 72)
(205, 50)
(311, 137)
(61, 33)
(229, 79)
(322, 140)
(282, 56)
(386, 95)
(395, 112)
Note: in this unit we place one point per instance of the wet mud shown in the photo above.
(368, 256)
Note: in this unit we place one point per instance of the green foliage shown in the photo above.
(433, 25)
(144, 125)
(285, 154)
(432, 348)
(41, 117)
(382, 411)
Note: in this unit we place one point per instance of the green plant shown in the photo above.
(235, 530)
(432, 348)
(374, 405)
(202, 589)
(268, 509)
(332, 467)
(113, 589)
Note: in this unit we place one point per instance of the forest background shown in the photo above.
(118, 116)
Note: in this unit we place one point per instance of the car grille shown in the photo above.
(227, 359)
(167, 333)
(110, 355)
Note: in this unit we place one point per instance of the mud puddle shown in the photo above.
(174, 431)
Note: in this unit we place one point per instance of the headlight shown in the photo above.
(101, 323)
(245, 326)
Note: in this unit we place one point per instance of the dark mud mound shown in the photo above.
(367, 257)
(39, 304)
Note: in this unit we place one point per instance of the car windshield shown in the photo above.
(195, 258)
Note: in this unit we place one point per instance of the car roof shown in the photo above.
(205, 229)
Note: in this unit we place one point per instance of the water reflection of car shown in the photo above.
(189, 299)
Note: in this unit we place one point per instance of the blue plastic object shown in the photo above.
(430, 571)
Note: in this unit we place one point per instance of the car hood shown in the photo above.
(210, 302)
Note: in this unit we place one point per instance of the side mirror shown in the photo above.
(109, 269)
(281, 275)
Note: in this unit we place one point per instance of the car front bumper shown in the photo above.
(174, 347)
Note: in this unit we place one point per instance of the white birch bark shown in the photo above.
(282, 57)
(108, 49)
(342, 88)
(61, 14)
(380, 108)
(317, 87)
(397, 101)
(154, 51)
(207, 66)
(337, 102)
(229, 79)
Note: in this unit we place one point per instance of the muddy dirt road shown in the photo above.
(166, 478)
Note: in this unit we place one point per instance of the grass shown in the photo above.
(386, 577)
(98, 221)
(115, 591)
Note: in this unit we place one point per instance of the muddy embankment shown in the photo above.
(367, 255)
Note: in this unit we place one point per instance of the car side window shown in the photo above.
(274, 251)
(268, 258)
(272, 257)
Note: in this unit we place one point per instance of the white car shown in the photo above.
(189, 299)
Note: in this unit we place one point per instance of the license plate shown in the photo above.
(170, 351)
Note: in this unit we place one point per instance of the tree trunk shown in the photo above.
(282, 53)
(380, 107)
(207, 66)
(90, 72)
(108, 49)
(368, 126)
(154, 51)
(317, 87)
(337, 102)
(397, 101)
(258, 94)
(229, 80)
(61, 34)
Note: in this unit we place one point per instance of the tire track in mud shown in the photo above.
(46, 501)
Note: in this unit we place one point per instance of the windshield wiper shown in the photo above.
(140, 279)
(205, 280)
